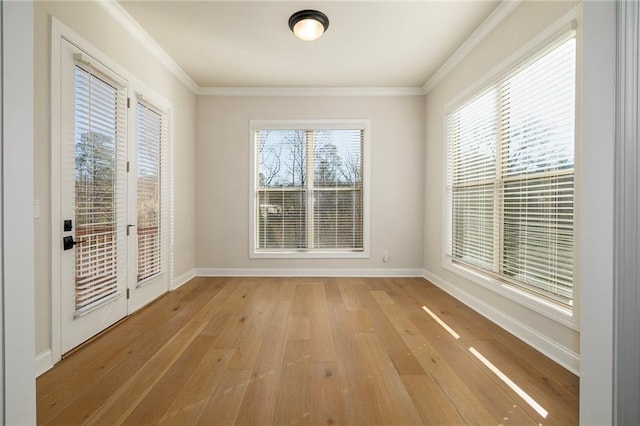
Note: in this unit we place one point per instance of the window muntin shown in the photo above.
(309, 189)
(511, 176)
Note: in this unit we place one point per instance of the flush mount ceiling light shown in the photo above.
(308, 25)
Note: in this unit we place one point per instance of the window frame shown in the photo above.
(320, 124)
(561, 313)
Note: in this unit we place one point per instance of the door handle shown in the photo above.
(68, 243)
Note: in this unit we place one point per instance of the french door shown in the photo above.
(112, 205)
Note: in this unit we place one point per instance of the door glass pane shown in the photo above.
(149, 137)
(95, 189)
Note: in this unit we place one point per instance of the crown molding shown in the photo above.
(311, 91)
(132, 26)
(503, 10)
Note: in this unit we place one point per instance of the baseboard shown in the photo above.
(290, 272)
(44, 362)
(182, 279)
(560, 354)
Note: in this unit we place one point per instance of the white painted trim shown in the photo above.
(560, 354)
(44, 362)
(133, 27)
(503, 10)
(556, 312)
(294, 272)
(626, 308)
(180, 280)
(56, 233)
(539, 42)
(18, 405)
(311, 91)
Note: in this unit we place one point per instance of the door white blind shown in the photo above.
(511, 175)
(100, 197)
(310, 190)
(151, 134)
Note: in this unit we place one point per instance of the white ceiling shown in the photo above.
(368, 43)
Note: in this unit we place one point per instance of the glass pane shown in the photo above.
(282, 158)
(473, 135)
(281, 219)
(95, 188)
(149, 137)
(538, 234)
(337, 158)
(338, 219)
(541, 110)
(473, 225)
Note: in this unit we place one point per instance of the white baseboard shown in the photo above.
(560, 354)
(289, 272)
(182, 279)
(44, 362)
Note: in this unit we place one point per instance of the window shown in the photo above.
(310, 189)
(96, 157)
(510, 170)
(151, 137)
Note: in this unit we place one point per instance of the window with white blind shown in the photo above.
(151, 141)
(99, 155)
(510, 167)
(310, 189)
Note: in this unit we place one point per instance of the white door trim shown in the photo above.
(60, 31)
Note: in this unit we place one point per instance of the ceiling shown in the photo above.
(368, 43)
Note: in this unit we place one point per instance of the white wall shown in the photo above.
(527, 21)
(17, 248)
(222, 181)
(91, 21)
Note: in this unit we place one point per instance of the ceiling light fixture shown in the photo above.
(308, 25)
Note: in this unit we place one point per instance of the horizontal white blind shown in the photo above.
(511, 175)
(100, 123)
(151, 134)
(337, 183)
(310, 191)
(472, 152)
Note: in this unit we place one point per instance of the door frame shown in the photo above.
(59, 31)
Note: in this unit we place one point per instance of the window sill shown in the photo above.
(301, 254)
(556, 312)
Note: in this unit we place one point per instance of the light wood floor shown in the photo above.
(304, 351)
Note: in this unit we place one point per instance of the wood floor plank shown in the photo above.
(322, 351)
(191, 401)
(226, 399)
(261, 393)
(349, 295)
(321, 336)
(358, 390)
(434, 408)
(119, 405)
(155, 404)
(117, 368)
(299, 324)
(452, 385)
(403, 359)
(391, 393)
(245, 353)
(489, 391)
(327, 405)
(294, 401)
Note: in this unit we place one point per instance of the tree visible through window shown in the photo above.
(309, 190)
